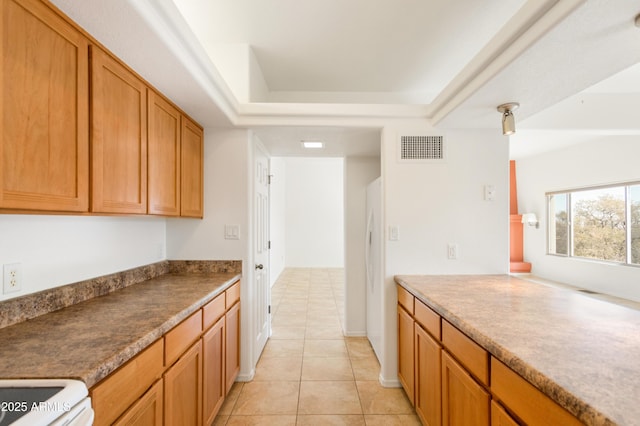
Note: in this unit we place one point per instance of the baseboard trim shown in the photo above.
(355, 333)
(246, 377)
(392, 383)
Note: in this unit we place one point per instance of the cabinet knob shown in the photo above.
(259, 266)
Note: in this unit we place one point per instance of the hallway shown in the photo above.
(309, 373)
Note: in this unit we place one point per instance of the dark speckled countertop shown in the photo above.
(89, 340)
(582, 352)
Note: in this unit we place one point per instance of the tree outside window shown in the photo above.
(601, 224)
(599, 230)
(558, 224)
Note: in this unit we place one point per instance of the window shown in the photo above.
(558, 224)
(634, 221)
(597, 223)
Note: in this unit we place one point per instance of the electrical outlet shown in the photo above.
(12, 278)
(159, 251)
(452, 251)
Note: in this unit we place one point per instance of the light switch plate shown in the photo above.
(394, 233)
(232, 232)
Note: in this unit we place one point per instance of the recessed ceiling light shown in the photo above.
(313, 144)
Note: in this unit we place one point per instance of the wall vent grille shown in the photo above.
(421, 148)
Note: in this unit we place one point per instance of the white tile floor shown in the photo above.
(309, 373)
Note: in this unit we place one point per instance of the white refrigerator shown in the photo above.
(373, 265)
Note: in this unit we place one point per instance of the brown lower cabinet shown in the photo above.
(215, 388)
(405, 352)
(232, 347)
(147, 411)
(183, 389)
(464, 402)
(500, 417)
(451, 380)
(428, 371)
(182, 378)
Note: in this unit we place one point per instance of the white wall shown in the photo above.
(314, 213)
(611, 159)
(437, 204)
(277, 204)
(226, 189)
(358, 173)
(59, 250)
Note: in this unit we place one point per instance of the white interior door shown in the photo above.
(261, 248)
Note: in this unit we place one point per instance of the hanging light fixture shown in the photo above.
(508, 120)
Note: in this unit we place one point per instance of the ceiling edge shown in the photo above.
(527, 27)
(167, 22)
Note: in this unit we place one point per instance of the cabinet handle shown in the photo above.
(259, 266)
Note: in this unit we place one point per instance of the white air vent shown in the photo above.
(422, 148)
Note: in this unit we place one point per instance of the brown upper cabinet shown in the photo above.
(164, 156)
(175, 161)
(44, 150)
(192, 186)
(118, 137)
(82, 132)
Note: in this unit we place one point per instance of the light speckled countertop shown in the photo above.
(582, 352)
(89, 340)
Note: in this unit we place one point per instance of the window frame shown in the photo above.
(570, 228)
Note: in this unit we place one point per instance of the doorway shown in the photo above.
(317, 208)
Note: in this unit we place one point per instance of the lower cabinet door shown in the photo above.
(464, 402)
(147, 411)
(427, 378)
(232, 349)
(405, 353)
(183, 389)
(213, 386)
(500, 417)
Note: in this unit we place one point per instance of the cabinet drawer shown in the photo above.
(212, 311)
(111, 397)
(524, 400)
(181, 337)
(427, 318)
(468, 352)
(233, 294)
(405, 299)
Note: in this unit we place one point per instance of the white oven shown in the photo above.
(44, 402)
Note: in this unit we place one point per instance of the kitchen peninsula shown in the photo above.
(580, 352)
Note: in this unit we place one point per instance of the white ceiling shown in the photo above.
(394, 51)
(607, 109)
(335, 68)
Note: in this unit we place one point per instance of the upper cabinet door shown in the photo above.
(192, 186)
(164, 157)
(44, 147)
(118, 137)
